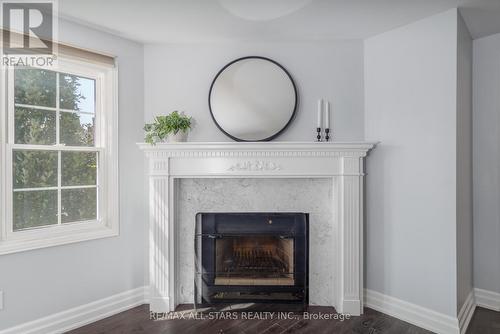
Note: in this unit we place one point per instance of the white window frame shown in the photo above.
(106, 143)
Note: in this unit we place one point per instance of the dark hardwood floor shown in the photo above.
(137, 320)
(484, 322)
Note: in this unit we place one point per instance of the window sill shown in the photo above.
(55, 239)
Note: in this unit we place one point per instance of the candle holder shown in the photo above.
(318, 137)
(327, 134)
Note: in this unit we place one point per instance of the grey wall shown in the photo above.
(486, 139)
(464, 163)
(178, 77)
(410, 106)
(45, 281)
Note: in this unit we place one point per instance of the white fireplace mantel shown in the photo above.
(340, 162)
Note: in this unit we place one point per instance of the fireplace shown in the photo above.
(251, 257)
(342, 163)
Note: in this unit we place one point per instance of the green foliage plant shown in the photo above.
(166, 125)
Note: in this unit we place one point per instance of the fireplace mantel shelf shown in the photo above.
(268, 144)
(257, 146)
(342, 162)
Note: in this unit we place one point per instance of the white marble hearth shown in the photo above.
(324, 179)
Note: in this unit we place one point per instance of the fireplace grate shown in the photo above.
(254, 262)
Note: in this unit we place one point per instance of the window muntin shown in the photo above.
(55, 156)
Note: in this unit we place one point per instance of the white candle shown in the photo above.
(327, 115)
(320, 108)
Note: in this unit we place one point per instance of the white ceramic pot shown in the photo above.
(180, 136)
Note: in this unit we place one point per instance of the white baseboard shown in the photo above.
(82, 315)
(414, 314)
(466, 312)
(487, 299)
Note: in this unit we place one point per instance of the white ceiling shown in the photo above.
(185, 21)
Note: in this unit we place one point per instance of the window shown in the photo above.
(59, 155)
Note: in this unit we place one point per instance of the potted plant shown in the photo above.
(170, 128)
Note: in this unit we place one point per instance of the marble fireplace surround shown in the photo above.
(342, 163)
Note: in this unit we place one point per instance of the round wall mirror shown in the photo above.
(252, 99)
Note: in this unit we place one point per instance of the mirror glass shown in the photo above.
(253, 99)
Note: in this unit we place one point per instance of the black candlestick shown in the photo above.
(319, 134)
(327, 134)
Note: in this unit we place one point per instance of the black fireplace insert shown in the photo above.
(251, 258)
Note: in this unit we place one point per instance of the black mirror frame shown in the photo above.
(277, 133)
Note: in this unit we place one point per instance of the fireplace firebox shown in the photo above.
(251, 258)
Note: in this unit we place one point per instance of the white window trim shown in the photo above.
(108, 204)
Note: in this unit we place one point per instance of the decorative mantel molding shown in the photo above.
(257, 165)
(252, 149)
(342, 162)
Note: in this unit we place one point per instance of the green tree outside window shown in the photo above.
(35, 123)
